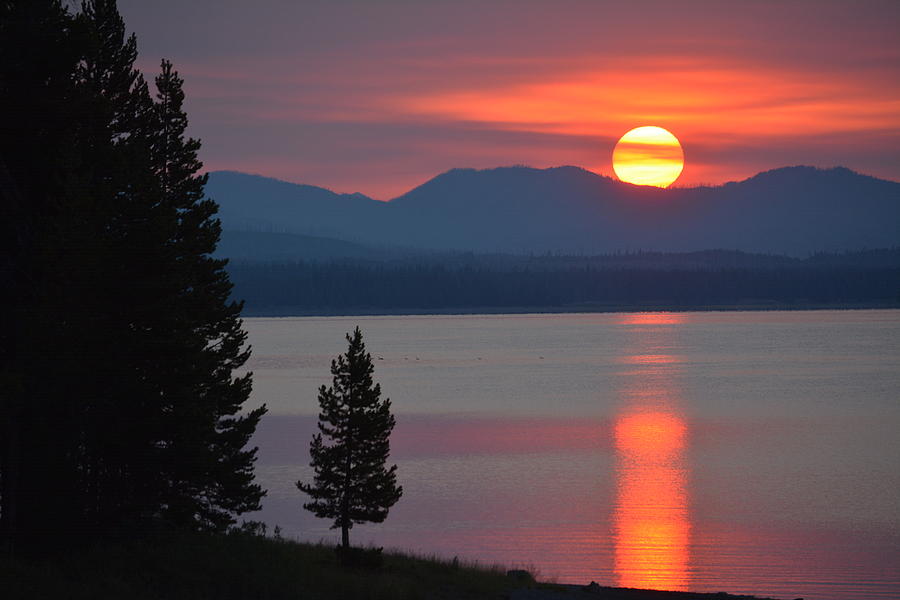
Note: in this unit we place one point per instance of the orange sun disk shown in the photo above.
(648, 156)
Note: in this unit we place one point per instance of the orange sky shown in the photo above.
(379, 97)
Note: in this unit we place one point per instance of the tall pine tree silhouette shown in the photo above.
(119, 404)
(199, 341)
(38, 54)
(352, 482)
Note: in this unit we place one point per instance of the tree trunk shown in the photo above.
(345, 500)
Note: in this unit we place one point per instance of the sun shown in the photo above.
(648, 156)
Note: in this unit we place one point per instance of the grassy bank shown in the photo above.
(239, 567)
(245, 567)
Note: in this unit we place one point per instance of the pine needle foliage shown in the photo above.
(352, 482)
(122, 404)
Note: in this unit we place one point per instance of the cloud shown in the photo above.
(378, 97)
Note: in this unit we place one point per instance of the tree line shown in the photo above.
(120, 407)
(354, 285)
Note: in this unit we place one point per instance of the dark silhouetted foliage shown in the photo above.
(197, 342)
(120, 411)
(352, 483)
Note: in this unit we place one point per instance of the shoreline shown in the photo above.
(289, 311)
(594, 591)
(241, 564)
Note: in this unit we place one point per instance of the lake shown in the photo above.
(747, 452)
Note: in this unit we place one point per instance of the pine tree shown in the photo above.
(118, 403)
(352, 483)
(116, 227)
(41, 46)
(199, 341)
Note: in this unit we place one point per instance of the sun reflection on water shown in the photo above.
(651, 520)
(653, 318)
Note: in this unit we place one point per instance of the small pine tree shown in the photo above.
(352, 483)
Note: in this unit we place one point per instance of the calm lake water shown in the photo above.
(747, 452)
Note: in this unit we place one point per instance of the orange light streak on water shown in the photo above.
(650, 359)
(652, 318)
(651, 522)
(652, 531)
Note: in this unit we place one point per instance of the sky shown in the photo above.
(377, 96)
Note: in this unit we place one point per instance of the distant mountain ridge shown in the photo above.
(792, 210)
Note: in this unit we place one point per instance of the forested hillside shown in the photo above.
(468, 282)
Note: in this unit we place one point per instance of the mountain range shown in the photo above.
(793, 211)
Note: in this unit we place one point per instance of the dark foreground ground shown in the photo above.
(242, 566)
(597, 592)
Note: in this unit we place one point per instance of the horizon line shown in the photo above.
(674, 186)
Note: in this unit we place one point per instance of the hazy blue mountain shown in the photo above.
(794, 211)
(256, 203)
(272, 246)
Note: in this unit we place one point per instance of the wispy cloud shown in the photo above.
(378, 97)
